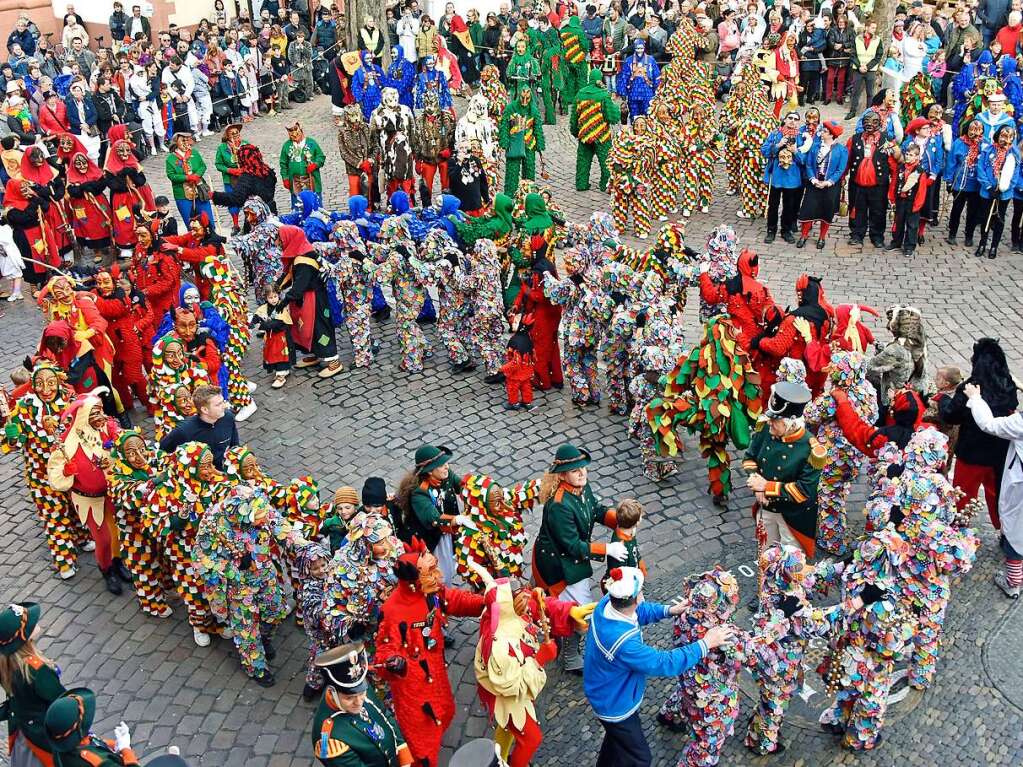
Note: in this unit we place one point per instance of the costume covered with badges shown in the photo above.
(411, 628)
(234, 553)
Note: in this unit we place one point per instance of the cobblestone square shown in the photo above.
(369, 421)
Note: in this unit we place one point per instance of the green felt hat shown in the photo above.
(17, 622)
(69, 718)
(429, 458)
(569, 457)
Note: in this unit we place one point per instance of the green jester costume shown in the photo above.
(575, 66)
(521, 137)
(594, 114)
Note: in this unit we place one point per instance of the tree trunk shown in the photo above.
(884, 15)
(355, 16)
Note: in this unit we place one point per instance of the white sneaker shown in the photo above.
(731, 193)
(252, 386)
(88, 546)
(14, 297)
(705, 209)
(641, 236)
(206, 133)
(686, 213)
(202, 639)
(1002, 582)
(66, 575)
(742, 214)
(245, 412)
(662, 218)
(166, 612)
(226, 633)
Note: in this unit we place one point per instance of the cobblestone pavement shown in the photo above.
(365, 422)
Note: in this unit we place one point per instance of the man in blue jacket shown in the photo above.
(618, 663)
(783, 178)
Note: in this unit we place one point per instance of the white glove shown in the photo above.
(122, 737)
(461, 520)
(617, 550)
(704, 267)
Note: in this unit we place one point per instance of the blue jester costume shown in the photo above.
(401, 76)
(368, 85)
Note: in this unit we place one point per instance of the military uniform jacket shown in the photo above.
(93, 752)
(25, 708)
(427, 505)
(563, 549)
(349, 740)
(792, 467)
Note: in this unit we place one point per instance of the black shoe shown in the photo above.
(510, 406)
(528, 407)
(879, 244)
(801, 242)
(670, 723)
(558, 386)
(851, 116)
(854, 240)
(383, 314)
(834, 729)
(121, 571)
(310, 693)
(908, 251)
(920, 239)
(820, 244)
(993, 253)
(979, 252)
(496, 378)
(769, 238)
(968, 242)
(268, 648)
(1017, 247)
(468, 366)
(264, 679)
(112, 582)
(951, 239)
(426, 320)
(721, 501)
(893, 246)
(788, 237)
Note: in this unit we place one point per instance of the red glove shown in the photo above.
(445, 153)
(287, 184)
(234, 171)
(365, 167)
(310, 168)
(548, 651)
(191, 178)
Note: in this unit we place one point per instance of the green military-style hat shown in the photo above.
(429, 458)
(69, 719)
(17, 622)
(569, 457)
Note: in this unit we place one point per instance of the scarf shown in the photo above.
(22, 115)
(972, 150)
(999, 160)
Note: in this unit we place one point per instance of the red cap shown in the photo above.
(834, 128)
(916, 124)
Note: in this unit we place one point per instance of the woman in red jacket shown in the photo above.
(115, 306)
(804, 333)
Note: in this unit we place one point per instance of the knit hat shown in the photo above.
(17, 622)
(624, 582)
(69, 718)
(429, 458)
(374, 492)
(346, 494)
(833, 128)
(569, 457)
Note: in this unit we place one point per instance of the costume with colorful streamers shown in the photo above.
(646, 386)
(454, 304)
(709, 393)
(848, 372)
(260, 249)
(343, 260)
(480, 280)
(303, 510)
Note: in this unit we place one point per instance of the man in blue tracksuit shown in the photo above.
(617, 663)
